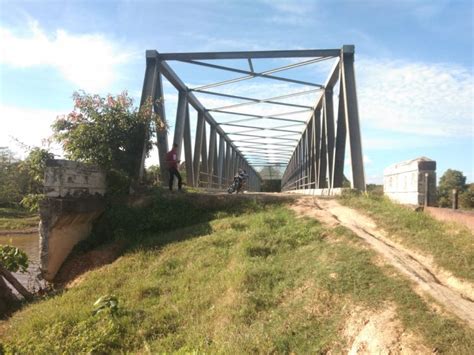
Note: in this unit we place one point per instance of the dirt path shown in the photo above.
(455, 295)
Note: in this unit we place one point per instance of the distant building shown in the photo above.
(404, 182)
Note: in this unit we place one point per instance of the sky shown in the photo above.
(413, 62)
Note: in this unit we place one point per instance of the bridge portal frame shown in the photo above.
(317, 160)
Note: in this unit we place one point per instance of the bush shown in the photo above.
(13, 259)
(107, 131)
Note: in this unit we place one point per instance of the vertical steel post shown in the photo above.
(161, 131)
(427, 191)
(227, 163)
(340, 149)
(322, 153)
(180, 122)
(305, 158)
(204, 156)
(233, 165)
(352, 118)
(317, 144)
(215, 179)
(148, 93)
(212, 151)
(455, 199)
(198, 148)
(188, 157)
(310, 153)
(313, 162)
(329, 123)
(220, 167)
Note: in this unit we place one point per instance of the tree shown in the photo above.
(10, 183)
(152, 175)
(451, 179)
(466, 198)
(108, 132)
(34, 166)
(22, 181)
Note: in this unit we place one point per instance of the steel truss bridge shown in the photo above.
(307, 141)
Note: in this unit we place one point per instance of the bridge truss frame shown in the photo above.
(315, 160)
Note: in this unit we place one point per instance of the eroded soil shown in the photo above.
(455, 295)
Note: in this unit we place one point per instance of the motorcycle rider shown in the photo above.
(242, 176)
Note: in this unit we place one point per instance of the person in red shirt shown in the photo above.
(172, 162)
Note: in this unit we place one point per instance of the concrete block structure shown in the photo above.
(408, 182)
(74, 200)
(71, 178)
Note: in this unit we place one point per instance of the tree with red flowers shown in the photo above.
(107, 131)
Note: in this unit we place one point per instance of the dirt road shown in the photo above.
(455, 295)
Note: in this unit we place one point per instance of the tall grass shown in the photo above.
(260, 281)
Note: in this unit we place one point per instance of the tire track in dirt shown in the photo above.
(430, 281)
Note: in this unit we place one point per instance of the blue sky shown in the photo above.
(414, 62)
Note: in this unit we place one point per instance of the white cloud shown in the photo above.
(29, 126)
(89, 61)
(419, 98)
(288, 12)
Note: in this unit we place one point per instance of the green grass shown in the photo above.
(452, 247)
(259, 281)
(15, 218)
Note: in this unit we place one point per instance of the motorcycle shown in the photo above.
(236, 185)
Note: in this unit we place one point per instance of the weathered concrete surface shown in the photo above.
(64, 222)
(404, 182)
(70, 178)
(74, 201)
(449, 215)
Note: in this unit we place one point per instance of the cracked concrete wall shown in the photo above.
(74, 200)
(70, 178)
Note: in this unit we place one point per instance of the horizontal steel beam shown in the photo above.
(262, 143)
(267, 154)
(252, 54)
(269, 164)
(248, 75)
(272, 117)
(260, 128)
(260, 148)
(298, 93)
(264, 137)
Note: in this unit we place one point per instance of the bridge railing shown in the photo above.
(319, 157)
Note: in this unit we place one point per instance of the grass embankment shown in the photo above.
(256, 281)
(451, 246)
(16, 219)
